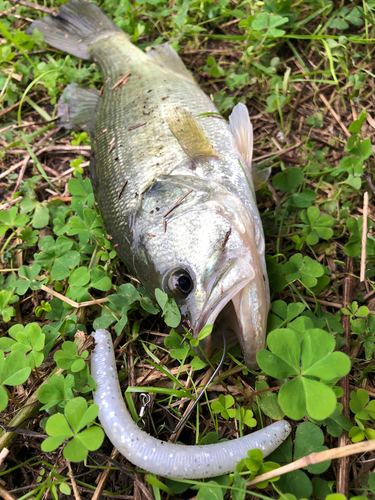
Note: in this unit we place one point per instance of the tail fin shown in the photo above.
(77, 25)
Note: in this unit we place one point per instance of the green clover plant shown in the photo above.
(77, 415)
(223, 406)
(364, 411)
(309, 361)
(308, 439)
(14, 370)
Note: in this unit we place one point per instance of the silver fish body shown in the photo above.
(173, 188)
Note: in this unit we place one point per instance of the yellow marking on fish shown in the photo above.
(189, 134)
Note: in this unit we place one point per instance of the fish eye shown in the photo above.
(181, 282)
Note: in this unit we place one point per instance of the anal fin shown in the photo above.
(189, 134)
(78, 107)
(242, 130)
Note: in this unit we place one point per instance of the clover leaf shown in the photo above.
(308, 439)
(14, 370)
(288, 180)
(6, 310)
(30, 339)
(308, 359)
(268, 23)
(57, 391)
(304, 269)
(317, 225)
(60, 428)
(57, 255)
(68, 359)
(9, 219)
(364, 411)
(178, 348)
(27, 279)
(170, 310)
(223, 406)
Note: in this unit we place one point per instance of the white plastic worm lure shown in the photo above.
(158, 457)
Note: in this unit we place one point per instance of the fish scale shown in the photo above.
(154, 128)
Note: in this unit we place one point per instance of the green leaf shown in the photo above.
(41, 216)
(57, 425)
(205, 332)
(3, 398)
(79, 276)
(75, 450)
(268, 401)
(371, 482)
(92, 438)
(54, 442)
(297, 483)
(161, 297)
(310, 439)
(288, 180)
(16, 370)
(320, 399)
(254, 460)
(99, 280)
(179, 350)
(240, 483)
(292, 399)
(74, 412)
(210, 491)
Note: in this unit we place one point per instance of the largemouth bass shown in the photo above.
(172, 178)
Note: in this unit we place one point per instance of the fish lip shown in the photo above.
(212, 311)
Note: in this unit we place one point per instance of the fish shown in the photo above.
(174, 181)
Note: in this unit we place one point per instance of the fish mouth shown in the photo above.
(241, 312)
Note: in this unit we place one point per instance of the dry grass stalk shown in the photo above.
(316, 458)
(364, 237)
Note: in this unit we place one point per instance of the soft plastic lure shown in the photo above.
(159, 457)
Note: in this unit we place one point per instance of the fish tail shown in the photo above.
(76, 26)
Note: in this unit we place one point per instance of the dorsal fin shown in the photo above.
(166, 57)
(242, 130)
(189, 134)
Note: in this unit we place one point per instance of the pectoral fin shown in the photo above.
(242, 130)
(189, 134)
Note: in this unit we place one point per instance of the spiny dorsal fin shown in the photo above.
(189, 134)
(242, 130)
(166, 57)
(78, 107)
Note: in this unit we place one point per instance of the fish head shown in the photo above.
(203, 253)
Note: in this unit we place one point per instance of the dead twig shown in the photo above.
(343, 465)
(177, 203)
(317, 458)
(103, 477)
(73, 303)
(364, 237)
(121, 82)
(77, 496)
(4, 494)
(33, 6)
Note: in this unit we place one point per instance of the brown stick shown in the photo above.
(104, 477)
(77, 496)
(317, 458)
(343, 465)
(364, 237)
